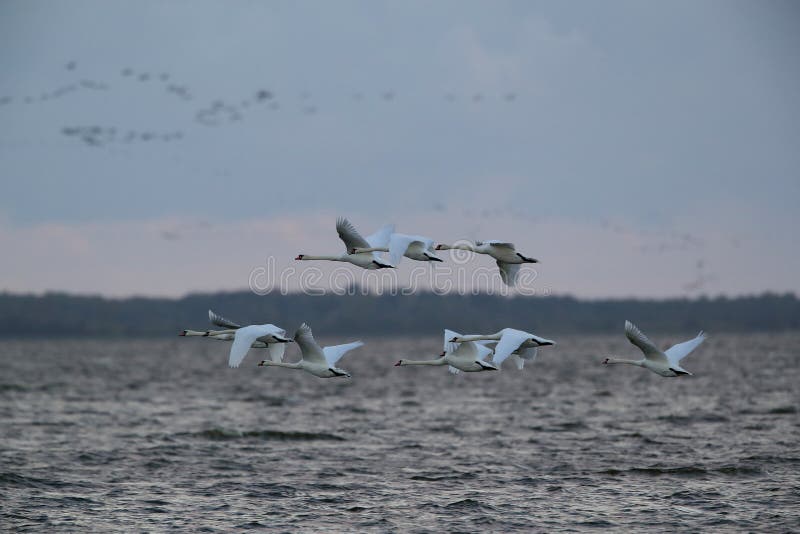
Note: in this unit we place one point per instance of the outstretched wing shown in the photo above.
(276, 351)
(509, 342)
(222, 321)
(348, 233)
(311, 350)
(381, 238)
(678, 352)
(636, 337)
(399, 243)
(242, 341)
(334, 353)
(508, 272)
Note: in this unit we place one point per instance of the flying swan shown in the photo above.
(467, 356)
(665, 363)
(505, 254)
(523, 346)
(316, 360)
(266, 336)
(352, 241)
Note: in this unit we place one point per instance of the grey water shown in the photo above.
(151, 435)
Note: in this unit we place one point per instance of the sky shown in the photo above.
(638, 149)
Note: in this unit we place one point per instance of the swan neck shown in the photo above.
(189, 333)
(290, 365)
(624, 361)
(439, 361)
(310, 257)
(478, 337)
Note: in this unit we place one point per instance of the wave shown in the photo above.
(222, 434)
(687, 471)
(21, 481)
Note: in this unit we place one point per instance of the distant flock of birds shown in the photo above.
(216, 113)
(468, 353)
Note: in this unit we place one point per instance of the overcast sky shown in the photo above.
(636, 148)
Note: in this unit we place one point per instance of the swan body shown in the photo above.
(415, 247)
(666, 363)
(316, 360)
(468, 356)
(504, 253)
(352, 241)
(522, 345)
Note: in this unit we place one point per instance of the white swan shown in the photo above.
(665, 363)
(316, 360)
(219, 335)
(505, 254)
(266, 336)
(467, 356)
(522, 345)
(352, 241)
(416, 247)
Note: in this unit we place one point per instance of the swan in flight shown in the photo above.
(416, 247)
(352, 241)
(266, 336)
(316, 360)
(505, 254)
(665, 363)
(524, 346)
(468, 356)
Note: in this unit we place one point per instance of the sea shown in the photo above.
(152, 435)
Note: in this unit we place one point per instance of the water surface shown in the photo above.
(158, 434)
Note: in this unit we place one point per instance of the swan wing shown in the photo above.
(502, 244)
(348, 233)
(400, 243)
(243, 339)
(519, 362)
(222, 321)
(276, 351)
(509, 342)
(528, 354)
(508, 272)
(483, 350)
(636, 337)
(311, 351)
(678, 352)
(468, 350)
(381, 237)
(334, 353)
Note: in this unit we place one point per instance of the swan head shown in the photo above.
(399, 363)
(441, 247)
(542, 342)
(300, 256)
(605, 362)
(182, 333)
(262, 363)
(454, 340)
